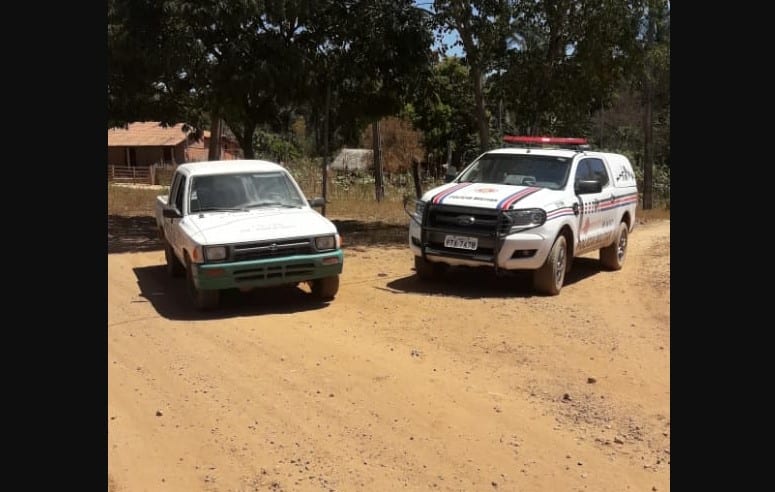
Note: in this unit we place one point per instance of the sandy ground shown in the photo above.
(471, 384)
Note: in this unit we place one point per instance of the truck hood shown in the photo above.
(264, 224)
(494, 196)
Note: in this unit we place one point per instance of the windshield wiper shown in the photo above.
(271, 204)
(221, 209)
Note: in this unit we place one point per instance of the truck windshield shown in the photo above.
(516, 169)
(224, 192)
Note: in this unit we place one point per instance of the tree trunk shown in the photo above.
(379, 186)
(481, 114)
(325, 148)
(245, 138)
(648, 126)
(214, 152)
(416, 178)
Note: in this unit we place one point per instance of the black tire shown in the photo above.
(428, 271)
(549, 278)
(203, 299)
(174, 267)
(325, 289)
(612, 257)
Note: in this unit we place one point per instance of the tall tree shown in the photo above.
(655, 58)
(567, 59)
(483, 27)
(441, 109)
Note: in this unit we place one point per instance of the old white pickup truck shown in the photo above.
(527, 207)
(245, 224)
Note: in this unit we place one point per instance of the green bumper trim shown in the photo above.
(267, 272)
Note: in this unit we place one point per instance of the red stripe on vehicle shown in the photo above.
(510, 200)
(444, 194)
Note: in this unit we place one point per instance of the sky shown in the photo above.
(449, 38)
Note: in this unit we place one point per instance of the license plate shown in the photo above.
(461, 242)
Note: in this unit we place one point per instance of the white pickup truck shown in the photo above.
(527, 208)
(245, 224)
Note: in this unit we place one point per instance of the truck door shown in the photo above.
(176, 199)
(596, 214)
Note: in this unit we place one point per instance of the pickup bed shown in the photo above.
(243, 225)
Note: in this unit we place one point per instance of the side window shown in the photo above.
(598, 171)
(173, 188)
(179, 194)
(582, 171)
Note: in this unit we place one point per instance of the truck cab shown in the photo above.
(528, 207)
(243, 225)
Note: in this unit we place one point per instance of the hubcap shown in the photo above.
(622, 247)
(559, 271)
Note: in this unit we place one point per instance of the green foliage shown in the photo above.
(274, 147)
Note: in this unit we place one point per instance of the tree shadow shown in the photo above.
(479, 283)
(169, 298)
(132, 234)
(365, 233)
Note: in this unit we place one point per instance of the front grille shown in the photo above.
(286, 272)
(486, 225)
(465, 220)
(272, 249)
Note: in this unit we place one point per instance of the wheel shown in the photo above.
(549, 278)
(427, 270)
(174, 267)
(612, 257)
(325, 288)
(203, 299)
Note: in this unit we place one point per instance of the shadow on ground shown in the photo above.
(362, 233)
(169, 298)
(132, 234)
(479, 283)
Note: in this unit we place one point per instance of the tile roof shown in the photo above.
(146, 133)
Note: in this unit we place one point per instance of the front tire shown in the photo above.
(428, 271)
(325, 289)
(203, 299)
(612, 257)
(549, 278)
(174, 267)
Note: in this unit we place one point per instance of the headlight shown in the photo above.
(525, 219)
(215, 253)
(325, 242)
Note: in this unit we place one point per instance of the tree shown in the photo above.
(567, 60)
(441, 109)
(483, 27)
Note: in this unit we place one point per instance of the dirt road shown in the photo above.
(474, 384)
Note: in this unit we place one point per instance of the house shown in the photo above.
(353, 161)
(143, 144)
(199, 150)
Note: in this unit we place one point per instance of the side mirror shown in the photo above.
(584, 187)
(316, 202)
(170, 213)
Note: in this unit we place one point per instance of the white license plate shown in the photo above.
(461, 242)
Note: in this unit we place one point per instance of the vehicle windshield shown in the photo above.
(541, 171)
(227, 192)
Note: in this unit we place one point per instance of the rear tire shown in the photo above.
(325, 289)
(549, 278)
(174, 267)
(612, 257)
(203, 299)
(428, 271)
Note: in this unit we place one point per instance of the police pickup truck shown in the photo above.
(245, 224)
(527, 207)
